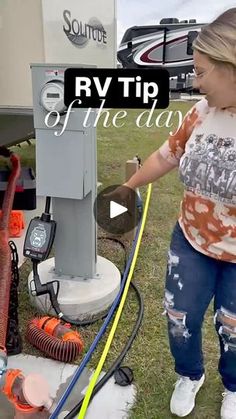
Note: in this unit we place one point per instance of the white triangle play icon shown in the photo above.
(116, 209)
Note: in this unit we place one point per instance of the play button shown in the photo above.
(116, 210)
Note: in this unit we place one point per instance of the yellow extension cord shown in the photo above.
(97, 372)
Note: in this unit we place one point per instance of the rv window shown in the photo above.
(191, 36)
(168, 20)
(145, 30)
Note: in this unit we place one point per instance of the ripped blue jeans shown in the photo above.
(192, 280)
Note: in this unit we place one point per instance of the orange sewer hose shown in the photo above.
(55, 339)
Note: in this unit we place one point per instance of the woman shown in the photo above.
(202, 255)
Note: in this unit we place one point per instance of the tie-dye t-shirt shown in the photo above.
(204, 148)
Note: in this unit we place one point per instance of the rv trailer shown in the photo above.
(167, 45)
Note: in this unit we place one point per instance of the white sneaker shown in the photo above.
(183, 398)
(228, 408)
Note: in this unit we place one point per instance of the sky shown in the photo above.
(149, 12)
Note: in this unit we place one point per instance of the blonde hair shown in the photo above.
(217, 39)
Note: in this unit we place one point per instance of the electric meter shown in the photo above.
(52, 96)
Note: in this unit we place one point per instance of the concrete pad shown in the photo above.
(111, 402)
(79, 298)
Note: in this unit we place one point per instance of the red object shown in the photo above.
(19, 188)
(16, 223)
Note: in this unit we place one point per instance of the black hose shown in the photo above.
(116, 241)
(118, 360)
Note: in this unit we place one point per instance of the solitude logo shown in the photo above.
(79, 33)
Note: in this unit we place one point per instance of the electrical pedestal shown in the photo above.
(66, 170)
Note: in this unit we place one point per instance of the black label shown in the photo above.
(116, 88)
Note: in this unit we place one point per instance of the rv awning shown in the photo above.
(16, 125)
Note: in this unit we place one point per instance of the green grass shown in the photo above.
(149, 356)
